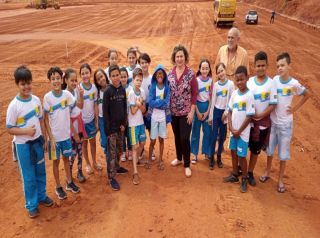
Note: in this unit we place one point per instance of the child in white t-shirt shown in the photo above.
(241, 109)
(221, 94)
(90, 116)
(265, 100)
(137, 135)
(25, 122)
(282, 117)
(57, 106)
(78, 131)
(112, 60)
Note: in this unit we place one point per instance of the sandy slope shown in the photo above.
(165, 204)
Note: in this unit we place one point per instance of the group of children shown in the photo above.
(123, 102)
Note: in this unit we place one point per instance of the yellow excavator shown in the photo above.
(44, 4)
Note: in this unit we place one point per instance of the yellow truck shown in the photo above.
(224, 11)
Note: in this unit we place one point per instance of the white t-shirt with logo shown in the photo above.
(146, 82)
(137, 118)
(242, 106)
(89, 99)
(59, 110)
(159, 115)
(75, 111)
(286, 91)
(204, 87)
(24, 113)
(221, 91)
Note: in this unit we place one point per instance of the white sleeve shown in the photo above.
(11, 119)
(250, 109)
(40, 107)
(95, 94)
(273, 94)
(131, 99)
(299, 89)
(46, 106)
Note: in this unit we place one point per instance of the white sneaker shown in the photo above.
(123, 157)
(130, 155)
(188, 172)
(194, 160)
(153, 156)
(175, 162)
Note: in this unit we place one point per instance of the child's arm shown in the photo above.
(237, 133)
(80, 101)
(305, 97)
(48, 129)
(208, 110)
(96, 117)
(230, 122)
(44, 134)
(265, 113)
(30, 131)
(137, 106)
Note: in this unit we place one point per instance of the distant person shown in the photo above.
(273, 13)
(282, 117)
(25, 121)
(241, 109)
(183, 99)
(232, 55)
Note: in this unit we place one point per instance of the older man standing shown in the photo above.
(232, 55)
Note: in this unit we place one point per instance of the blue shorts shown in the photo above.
(62, 147)
(239, 145)
(158, 129)
(280, 136)
(90, 129)
(103, 137)
(137, 134)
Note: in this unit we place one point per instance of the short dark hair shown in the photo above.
(242, 69)
(22, 74)
(137, 72)
(132, 50)
(54, 70)
(178, 48)
(145, 57)
(123, 69)
(261, 55)
(85, 65)
(113, 68)
(284, 55)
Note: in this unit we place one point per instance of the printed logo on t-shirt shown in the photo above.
(241, 106)
(285, 91)
(22, 121)
(100, 100)
(161, 96)
(223, 93)
(264, 96)
(89, 96)
(63, 104)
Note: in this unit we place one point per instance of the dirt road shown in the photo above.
(165, 204)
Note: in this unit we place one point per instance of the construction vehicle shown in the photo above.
(224, 12)
(44, 4)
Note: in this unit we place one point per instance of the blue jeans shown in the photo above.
(218, 129)
(207, 132)
(103, 136)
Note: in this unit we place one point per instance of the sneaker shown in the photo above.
(188, 172)
(114, 184)
(251, 179)
(48, 202)
(231, 179)
(135, 179)
(122, 170)
(194, 160)
(123, 157)
(34, 213)
(130, 155)
(153, 157)
(219, 162)
(61, 193)
(80, 177)
(175, 162)
(211, 163)
(243, 185)
(72, 187)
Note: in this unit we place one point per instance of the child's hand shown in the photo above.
(122, 128)
(30, 131)
(138, 103)
(199, 115)
(76, 137)
(45, 145)
(224, 116)
(190, 117)
(289, 110)
(205, 115)
(235, 133)
(210, 122)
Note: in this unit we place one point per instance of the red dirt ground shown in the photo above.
(165, 204)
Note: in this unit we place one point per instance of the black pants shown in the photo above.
(181, 130)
